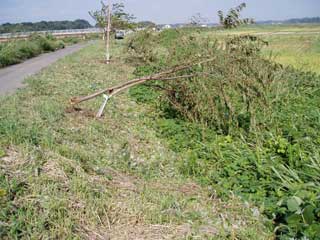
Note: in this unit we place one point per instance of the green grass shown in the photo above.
(299, 51)
(66, 175)
(294, 45)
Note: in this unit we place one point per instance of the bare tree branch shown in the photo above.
(159, 76)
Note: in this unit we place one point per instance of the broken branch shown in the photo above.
(159, 76)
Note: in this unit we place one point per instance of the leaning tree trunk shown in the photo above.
(165, 75)
(108, 20)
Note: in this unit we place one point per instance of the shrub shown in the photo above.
(46, 45)
(28, 49)
(17, 52)
(9, 56)
(70, 40)
(59, 44)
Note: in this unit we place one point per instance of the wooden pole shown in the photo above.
(108, 20)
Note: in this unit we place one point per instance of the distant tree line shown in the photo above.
(293, 21)
(44, 26)
(146, 24)
(304, 20)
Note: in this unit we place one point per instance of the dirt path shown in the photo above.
(11, 78)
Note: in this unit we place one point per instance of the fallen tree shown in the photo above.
(162, 76)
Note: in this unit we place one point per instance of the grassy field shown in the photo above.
(274, 29)
(66, 175)
(295, 45)
(301, 51)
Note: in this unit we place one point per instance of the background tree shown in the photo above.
(198, 19)
(103, 21)
(99, 16)
(146, 24)
(233, 18)
(120, 19)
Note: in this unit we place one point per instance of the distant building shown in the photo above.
(140, 29)
(167, 26)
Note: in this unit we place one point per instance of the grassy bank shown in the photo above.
(20, 50)
(248, 126)
(66, 175)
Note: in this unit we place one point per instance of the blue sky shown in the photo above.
(160, 11)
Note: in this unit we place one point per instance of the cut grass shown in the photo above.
(66, 175)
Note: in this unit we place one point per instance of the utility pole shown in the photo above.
(108, 20)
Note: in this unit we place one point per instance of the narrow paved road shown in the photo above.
(11, 78)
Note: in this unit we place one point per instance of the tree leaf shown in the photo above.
(294, 220)
(294, 203)
(308, 214)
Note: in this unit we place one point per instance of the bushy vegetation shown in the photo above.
(241, 123)
(20, 50)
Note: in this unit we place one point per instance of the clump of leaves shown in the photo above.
(120, 18)
(233, 18)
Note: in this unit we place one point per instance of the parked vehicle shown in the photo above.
(119, 34)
